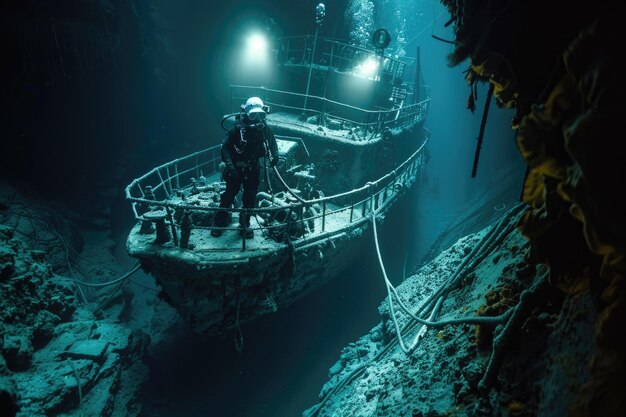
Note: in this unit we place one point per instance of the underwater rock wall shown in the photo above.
(529, 364)
(55, 356)
(41, 227)
(564, 79)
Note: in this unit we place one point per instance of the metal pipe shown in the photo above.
(308, 82)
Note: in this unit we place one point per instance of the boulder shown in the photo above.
(8, 399)
(43, 328)
(92, 349)
(18, 352)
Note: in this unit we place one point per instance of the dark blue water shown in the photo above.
(286, 355)
(160, 94)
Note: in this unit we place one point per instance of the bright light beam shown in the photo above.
(254, 59)
(257, 46)
(368, 68)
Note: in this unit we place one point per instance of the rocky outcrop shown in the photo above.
(55, 356)
(531, 361)
(564, 79)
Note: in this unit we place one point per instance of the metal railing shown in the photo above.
(336, 54)
(369, 122)
(169, 182)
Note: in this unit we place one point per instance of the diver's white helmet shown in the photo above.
(254, 108)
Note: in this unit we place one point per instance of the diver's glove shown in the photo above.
(273, 161)
(230, 172)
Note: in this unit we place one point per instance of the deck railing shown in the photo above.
(336, 54)
(370, 123)
(175, 177)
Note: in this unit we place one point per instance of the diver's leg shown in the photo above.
(226, 200)
(250, 182)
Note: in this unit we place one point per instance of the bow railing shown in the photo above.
(161, 197)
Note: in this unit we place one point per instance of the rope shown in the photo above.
(108, 299)
(480, 251)
(293, 193)
(528, 300)
(115, 281)
(391, 290)
(267, 179)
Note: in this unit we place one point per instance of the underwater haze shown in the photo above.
(99, 93)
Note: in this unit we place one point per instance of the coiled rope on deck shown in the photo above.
(292, 192)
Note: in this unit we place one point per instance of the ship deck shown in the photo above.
(162, 202)
(340, 132)
(230, 246)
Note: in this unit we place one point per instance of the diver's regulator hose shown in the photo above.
(228, 116)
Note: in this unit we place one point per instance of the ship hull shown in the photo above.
(213, 298)
(215, 286)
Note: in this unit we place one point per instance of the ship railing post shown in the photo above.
(351, 207)
(372, 196)
(169, 178)
(375, 197)
(176, 175)
(323, 215)
(363, 207)
(365, 125)
(162, 182)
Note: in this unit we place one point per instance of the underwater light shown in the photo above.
(368, 68)
(254, 59)
(257, 44)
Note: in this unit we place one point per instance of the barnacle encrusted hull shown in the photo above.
(212, 296)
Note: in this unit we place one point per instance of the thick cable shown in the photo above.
(392, 292)
(293, 193)
(115, 281)
(486, 242)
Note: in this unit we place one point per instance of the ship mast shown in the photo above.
(320, 13)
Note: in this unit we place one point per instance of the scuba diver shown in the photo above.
(245, 143)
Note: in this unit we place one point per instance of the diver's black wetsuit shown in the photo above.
(241, 150)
